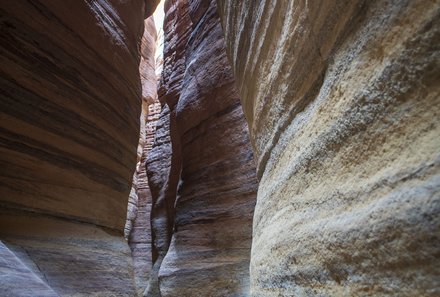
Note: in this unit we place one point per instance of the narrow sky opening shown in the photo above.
(159, 16)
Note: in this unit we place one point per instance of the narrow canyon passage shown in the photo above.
(241, 148)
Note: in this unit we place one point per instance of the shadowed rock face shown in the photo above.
(139, 236)
(164, 160)
(137, 228)
(70, 106)
(72, 259)
(342, 100)
(201, 168)
(13, 271)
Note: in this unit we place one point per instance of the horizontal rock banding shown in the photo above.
(70, 93)
(70, 102)
(201, 168)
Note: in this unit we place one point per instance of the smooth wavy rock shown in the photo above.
(205, 196)
(342, 100)
(137, 228)
(70, 106)
(13, 271)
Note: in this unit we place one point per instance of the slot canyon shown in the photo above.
(219, 148)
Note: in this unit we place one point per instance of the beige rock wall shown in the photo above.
(342, 100)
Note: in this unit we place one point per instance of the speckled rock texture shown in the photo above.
(342, 100)
(201, 169)
(70, 106)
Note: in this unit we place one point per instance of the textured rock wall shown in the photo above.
(137, 227)
(13, 271)
(201, 168)
(70, 105)
(342, 100)
(164, 161)
(73, 259)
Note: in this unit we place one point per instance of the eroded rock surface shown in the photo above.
(73, 259)
(201, 168)
(139, 238)
(13, 271)
(137, 228)
(342, 100)
(164, 161)
(70, 105)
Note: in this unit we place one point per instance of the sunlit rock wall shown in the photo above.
(342, 100)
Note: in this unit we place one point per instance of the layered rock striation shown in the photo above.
(201, 169)
(13, 271)
(70, 105)
(70, 92)
(137, 227)
(342, 100)
(139, 236)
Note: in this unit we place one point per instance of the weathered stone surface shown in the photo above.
(164, 161)
(342, 99)
(140, 239)
(73, 259)
(69, 109)
(201, 168)
(163, 170)
(137, 228)
(13, 271)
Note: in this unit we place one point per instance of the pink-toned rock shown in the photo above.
(137, 228)
(201, 167)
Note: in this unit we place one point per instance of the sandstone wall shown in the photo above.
(164, 161)
(342, 100)
(70, 105)
(201, 168)
(139, 238)
(137, 228)
(13, 271)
